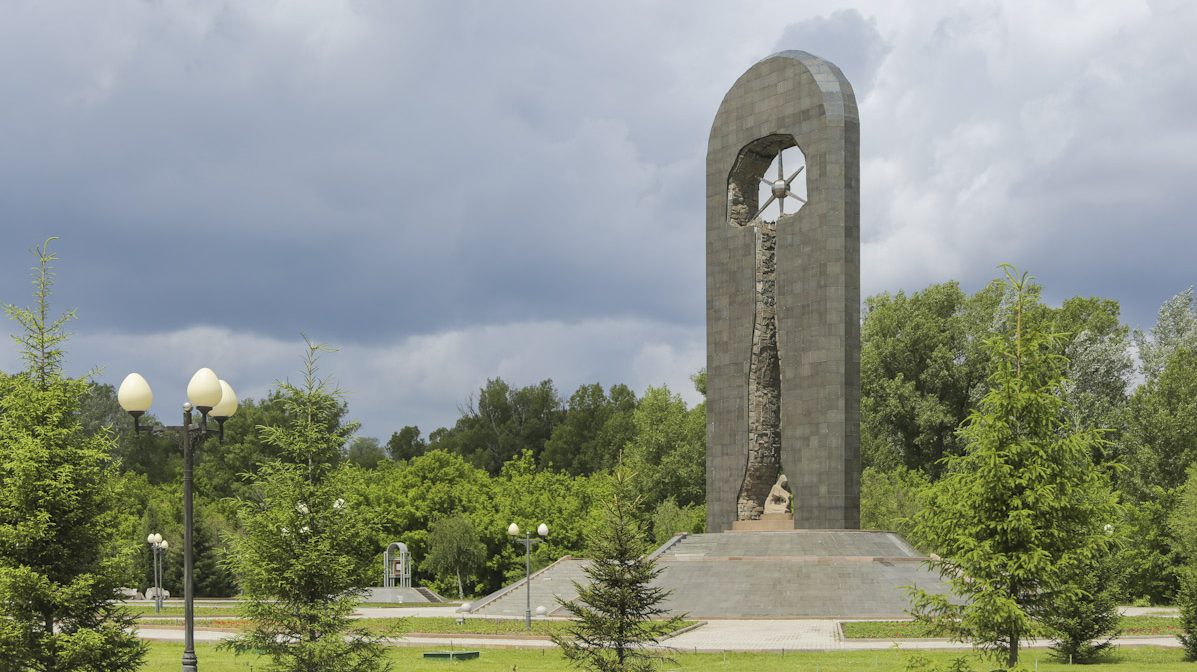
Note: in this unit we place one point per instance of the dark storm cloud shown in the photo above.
(458, 191)
(368, 172)
(1055, 137)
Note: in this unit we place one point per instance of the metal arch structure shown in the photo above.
(389, 573)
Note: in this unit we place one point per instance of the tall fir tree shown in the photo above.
(61, 563)
(1020, 517)
(307, 544)
(618, 614)
(1084, 624)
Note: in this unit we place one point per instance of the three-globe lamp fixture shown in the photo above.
(158, 545)
(209, 395)
(213, 397)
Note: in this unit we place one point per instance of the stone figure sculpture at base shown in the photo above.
(779, 497)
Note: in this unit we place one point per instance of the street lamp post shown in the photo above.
(528, 541)
(210, 396)
(158, 545)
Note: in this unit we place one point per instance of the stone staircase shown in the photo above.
(429, 594)
(408, 595)
(548, 584)
(790, 574)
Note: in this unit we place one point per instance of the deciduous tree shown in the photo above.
(668, 453)
(923, 368)
(1175, 329)
(596, 427)
(454, 548)
(406, 444)
(501, 422)
(365, 452)
(889, 500)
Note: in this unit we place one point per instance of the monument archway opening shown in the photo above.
(782, 189)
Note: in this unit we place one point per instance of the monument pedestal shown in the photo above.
(835, 574)
(841, 574)
(769, 522)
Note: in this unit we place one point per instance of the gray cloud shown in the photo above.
(399, 177)
(420, 380)
(233, 156)
(844, 37)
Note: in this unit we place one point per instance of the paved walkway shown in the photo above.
(712, 637)
(176, 635)
(400, 612)
(1150, 611)
(812, 635)
(758, 635)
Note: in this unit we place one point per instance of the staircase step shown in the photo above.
(790, 574)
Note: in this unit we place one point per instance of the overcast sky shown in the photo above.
(455, 191)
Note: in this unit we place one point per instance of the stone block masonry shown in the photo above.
(783, 370)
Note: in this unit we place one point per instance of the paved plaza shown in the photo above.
(713, 636)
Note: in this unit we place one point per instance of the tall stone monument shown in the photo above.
(783, 374)
(783, 297)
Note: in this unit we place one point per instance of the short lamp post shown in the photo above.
(211, 397)
(528, 541)
(158, 545)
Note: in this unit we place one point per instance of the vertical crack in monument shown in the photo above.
(763, 466)
(764, 385)
(783, 300)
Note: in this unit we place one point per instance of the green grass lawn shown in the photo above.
(1131, 626)
(165, 656)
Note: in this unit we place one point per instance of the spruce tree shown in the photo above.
(61, 563)
(1019, 519)
(1084, 624)
(618, 613)
(1182, 524)
(306, 550)
(1186, 601)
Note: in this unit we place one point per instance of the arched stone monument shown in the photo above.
(783, 298)
(783, 373)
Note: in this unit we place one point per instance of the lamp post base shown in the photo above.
(190, 663)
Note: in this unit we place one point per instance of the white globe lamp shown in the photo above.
(204, 390)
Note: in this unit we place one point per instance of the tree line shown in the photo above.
(516, 454)
(988, 420)
(923, 370)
